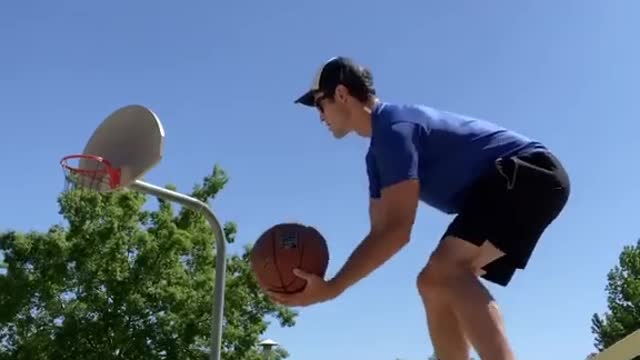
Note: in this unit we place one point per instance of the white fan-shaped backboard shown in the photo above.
(131, 138)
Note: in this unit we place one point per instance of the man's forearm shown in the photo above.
(371, 253)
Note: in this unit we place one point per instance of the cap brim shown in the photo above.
(306, 99)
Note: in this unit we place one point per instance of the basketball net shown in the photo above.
(89, 172)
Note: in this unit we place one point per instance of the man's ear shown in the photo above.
(341, 94)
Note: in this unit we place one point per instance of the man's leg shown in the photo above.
(447, 336)
(508, 209)
(458, 305)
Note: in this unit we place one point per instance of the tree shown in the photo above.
(623, 300)
(277, 353)
(122, 282)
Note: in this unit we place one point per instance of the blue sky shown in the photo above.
(222, 77)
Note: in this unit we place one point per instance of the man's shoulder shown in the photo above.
(393, 119)
(430, 119)
(409, 112)
(388, 114)
(451, 131)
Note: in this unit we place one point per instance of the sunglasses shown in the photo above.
(318, 101)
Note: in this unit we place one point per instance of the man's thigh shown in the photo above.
(508, 211)
(458, 252)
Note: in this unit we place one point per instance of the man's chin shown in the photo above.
(339, 134)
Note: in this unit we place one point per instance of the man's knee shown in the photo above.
(427, 279)
(452, 258)
(436, 277)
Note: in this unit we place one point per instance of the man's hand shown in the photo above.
(317, 290)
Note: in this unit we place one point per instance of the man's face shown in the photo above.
(333, 113)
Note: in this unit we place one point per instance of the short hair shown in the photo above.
(341, 71)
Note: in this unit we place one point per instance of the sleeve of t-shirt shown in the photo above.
(372, 173)
(396, 154)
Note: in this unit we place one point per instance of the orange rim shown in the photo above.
(107, 169)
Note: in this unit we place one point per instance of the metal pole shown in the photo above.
(218, 290)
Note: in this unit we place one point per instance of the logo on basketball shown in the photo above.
(289, 240)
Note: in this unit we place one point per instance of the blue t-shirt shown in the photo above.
(446, 152)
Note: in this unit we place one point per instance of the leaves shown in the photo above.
(120, 281)
(623, 289)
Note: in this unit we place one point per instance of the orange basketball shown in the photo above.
(284, 247)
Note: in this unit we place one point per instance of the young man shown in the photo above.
(504, 188)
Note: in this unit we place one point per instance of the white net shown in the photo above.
(88, 172)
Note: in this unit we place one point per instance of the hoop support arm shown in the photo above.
(218, 290)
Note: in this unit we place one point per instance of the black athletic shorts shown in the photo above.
(511, 206)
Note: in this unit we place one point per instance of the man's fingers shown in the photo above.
(302, 274)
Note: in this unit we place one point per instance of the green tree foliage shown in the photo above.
(120, 281)
(277, 353)
(623, 300)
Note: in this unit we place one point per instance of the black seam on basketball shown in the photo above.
(286, 286)
(277, 289)
(275, 260)
(302, 247)
(300, 243)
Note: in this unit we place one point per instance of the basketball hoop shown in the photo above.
(90, 172)
(127, 144)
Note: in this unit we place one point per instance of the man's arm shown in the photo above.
(393, 214)
(392, 219)
(375, 212)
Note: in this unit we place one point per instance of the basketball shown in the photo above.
(284, 247)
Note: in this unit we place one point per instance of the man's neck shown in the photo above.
(365, 118)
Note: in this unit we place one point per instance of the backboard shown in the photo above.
(131, 139)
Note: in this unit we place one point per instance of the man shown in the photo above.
(504, 188)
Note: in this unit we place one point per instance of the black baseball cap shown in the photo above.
(337, 70)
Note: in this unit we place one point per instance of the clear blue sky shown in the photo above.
(222, 77)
